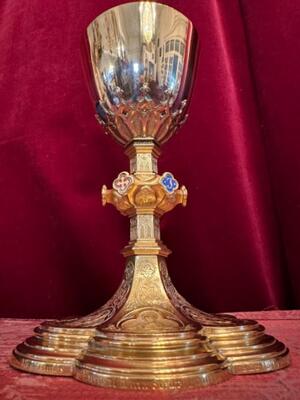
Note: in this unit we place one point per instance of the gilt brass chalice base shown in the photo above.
(141, 60)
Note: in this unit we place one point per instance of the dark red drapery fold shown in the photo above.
(236, 245)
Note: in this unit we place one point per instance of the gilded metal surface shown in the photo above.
(144, 196)
(144, 119)
(147, 336)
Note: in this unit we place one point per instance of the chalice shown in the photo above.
(140, 61)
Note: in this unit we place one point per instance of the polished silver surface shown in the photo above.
(140, 51)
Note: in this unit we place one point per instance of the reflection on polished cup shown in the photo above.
(142, 57)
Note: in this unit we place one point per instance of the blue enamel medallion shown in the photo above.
(169, 182)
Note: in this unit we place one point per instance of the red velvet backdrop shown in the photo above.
(237, 244)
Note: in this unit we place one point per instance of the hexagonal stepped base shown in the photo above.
(151, 361)
(147, 336)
